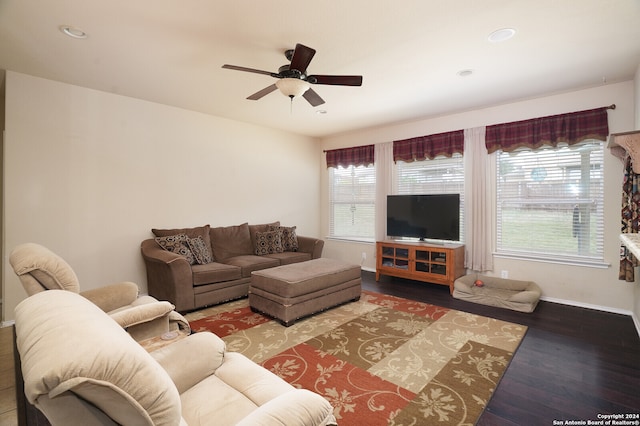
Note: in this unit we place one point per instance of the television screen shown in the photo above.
(432, 216)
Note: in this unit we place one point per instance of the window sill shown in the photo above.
(352, 239)
(586, 262)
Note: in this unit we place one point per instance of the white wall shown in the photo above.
(578, 285)
(88, 174)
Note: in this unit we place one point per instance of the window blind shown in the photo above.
(352, 199)
(550, 202)
(441, 175)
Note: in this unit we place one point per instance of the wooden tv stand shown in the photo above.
(428, 262)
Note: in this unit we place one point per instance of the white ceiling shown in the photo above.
(408, 52)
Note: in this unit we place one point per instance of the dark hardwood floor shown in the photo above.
(572, 364)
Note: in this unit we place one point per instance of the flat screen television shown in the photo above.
(427, 217)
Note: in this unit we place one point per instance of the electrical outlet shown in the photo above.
(504, 274)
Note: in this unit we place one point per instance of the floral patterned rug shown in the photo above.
(382, 360)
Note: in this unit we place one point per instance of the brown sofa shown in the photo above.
(190, 279)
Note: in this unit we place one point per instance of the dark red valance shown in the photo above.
(534, 133)
(431, 146)
(356, 156)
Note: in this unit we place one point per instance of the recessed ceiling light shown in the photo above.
(464, 73)
(73, 31)
(502, 34)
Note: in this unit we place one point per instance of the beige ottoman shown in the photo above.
(290, 292)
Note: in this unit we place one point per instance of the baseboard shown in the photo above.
(609, 309)
(636, 321)
(587, 305)
(7, 323)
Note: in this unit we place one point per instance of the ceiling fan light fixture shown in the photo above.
(292, 87)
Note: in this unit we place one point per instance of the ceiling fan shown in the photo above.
(293, 80)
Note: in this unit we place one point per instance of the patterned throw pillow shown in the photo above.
(289, 237)
(177, 244)
(268, 243)
(200, 251)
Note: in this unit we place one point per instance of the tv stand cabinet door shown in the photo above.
(420, 262)
(393, 259)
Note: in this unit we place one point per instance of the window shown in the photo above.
(442, 175)
(352, 198)
(550, 202)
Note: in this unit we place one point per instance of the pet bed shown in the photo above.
(517, 295)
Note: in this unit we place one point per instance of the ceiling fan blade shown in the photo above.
(338, 80)
(313, 98)
(237, 68)
(302, 56)
(262, 92)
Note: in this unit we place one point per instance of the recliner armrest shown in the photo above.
(191, 359)
(112, 297)
(139, 314)
(176, 320)
(297, 407)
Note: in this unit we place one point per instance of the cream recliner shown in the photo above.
(81, 368)
(40, 269)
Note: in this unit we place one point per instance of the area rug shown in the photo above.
(382, 360)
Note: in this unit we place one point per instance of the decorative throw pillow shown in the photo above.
(260, 227)
(289, 237)
(268, 243)
(200, 231)
(177, 244)
(200, 251)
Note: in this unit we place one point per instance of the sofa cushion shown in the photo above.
(214, 272)
(268, 242)
(289, 237)
(230, 241)
(201, 251)
(177, 244)
(288, 257)
(250, 263)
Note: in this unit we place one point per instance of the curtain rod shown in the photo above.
(612, 106)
